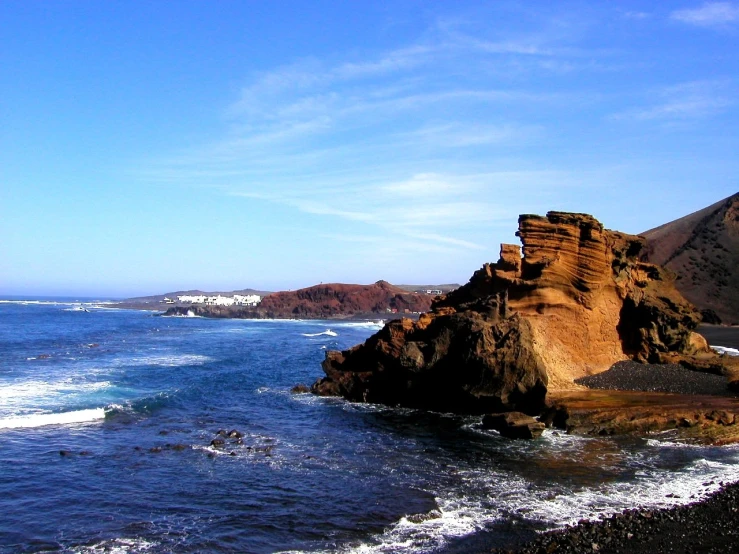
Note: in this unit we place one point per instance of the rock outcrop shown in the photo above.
(578, 301)
(703, 250)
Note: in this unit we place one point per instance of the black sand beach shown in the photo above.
(671, 378)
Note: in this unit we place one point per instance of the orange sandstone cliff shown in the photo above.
(576, 302)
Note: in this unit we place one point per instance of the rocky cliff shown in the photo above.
(703, 250)
(576, 302)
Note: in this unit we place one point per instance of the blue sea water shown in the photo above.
(107, 418)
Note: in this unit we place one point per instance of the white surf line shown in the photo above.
(41, 420)
(726, 350)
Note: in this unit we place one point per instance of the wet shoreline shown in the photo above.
(708, 526)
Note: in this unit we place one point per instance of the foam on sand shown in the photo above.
(63, 418)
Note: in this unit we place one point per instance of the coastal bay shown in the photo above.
(144, 471)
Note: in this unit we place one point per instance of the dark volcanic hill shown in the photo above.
(335, 299)
(703, 250)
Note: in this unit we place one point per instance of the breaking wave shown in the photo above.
(726, 350)
(327, 332)
(38, 393)
(63, 418)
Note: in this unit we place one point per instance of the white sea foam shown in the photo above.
(726, 350)
(56, 303)
(651, 488)
(63, 418)
(379, 324)
(78, 308)
(36, 302)
(118, 546)
(173, 360)
(36, 393)
(499, 494)
(327, 332)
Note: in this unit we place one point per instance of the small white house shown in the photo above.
(219, 301)
(191, 299)
(247, 299)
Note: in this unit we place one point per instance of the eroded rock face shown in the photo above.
(461, 362)
(578, 301)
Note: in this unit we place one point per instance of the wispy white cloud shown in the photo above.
(710, 14)
(365, 143)
(637, 15)
(686, 101)
(455, 135)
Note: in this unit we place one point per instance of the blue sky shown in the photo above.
(156, 146)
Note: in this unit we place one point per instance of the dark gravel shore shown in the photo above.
(711, 526)
(668, 378)
(657, 378)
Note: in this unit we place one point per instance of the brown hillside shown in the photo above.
(337, 299)
(703, 250)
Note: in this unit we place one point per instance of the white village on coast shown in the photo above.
(217, 300)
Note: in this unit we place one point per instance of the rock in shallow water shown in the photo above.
(514, 425)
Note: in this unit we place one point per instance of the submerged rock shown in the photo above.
(578, 301)
(514, 425)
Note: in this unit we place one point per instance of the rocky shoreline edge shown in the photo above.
(708, 525)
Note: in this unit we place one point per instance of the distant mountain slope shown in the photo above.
(158, 297)
(703, 250)
(336, 299)
(445, 288)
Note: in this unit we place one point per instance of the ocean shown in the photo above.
(109, 442)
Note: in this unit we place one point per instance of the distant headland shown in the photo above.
(323, 301)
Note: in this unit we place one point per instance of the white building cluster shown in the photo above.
(235, 300)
